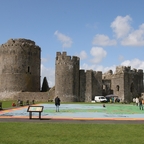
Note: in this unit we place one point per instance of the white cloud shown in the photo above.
(121, 26)
(43, 60)
(65, 40)
(49, 73)
(121, 58)
(135, 63)
(82, 55)
(91, 26)
(135, 38)
(98, 54)
(86, 66)
(103, 40)
(46, 59)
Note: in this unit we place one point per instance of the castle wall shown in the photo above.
(67, 77)
(127, 83)
(19, 66)
(133, 84)
(139, 78)
(106, 83)
(106, 87)
(88, 92)
(36, 96)
(117, 85)
(82, 85)
(96, 84)
(93, 85)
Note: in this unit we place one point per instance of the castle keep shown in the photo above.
(73, 84)
(19, 66)
(67, 77)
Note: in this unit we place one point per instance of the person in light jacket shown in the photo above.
(137, 101)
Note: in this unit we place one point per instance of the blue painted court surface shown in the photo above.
(84, 111)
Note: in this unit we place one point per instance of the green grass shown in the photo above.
(7, 104)
(60, 133)
(65, 133)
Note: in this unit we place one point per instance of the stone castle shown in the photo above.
(20, 61)
(73, 84)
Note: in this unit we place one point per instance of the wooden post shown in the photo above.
(30, 115)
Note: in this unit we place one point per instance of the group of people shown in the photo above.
(20, 103)
(112, 100)
(139, 102)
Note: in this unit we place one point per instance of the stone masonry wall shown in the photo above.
(82, 85)
(117, 85)
(88, 92)
(96, 84)
(37, 96)
(19, 66)
(67, 77)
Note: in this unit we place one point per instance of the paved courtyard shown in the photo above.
(88, 112)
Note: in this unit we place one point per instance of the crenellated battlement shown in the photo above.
(90, 71)
(82, 70)
(98, 72)
(140, 71)
(19, 43)
(63, 57)
(127, 69)
(107, 75)
(122, 69)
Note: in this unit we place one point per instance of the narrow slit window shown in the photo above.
(28, 69)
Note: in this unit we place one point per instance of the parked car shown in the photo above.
(100, 99)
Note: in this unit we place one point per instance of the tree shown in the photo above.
(45, 86)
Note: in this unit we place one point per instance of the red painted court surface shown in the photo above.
(117, 112)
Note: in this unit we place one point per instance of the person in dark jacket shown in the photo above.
(140, 103)
(57, 103)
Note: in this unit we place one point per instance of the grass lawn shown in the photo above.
(66, 133)
(8, 104)
(60, 133)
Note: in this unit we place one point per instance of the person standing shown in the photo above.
(134, 101)
(140, 103)
(137, 101)
(57, 103)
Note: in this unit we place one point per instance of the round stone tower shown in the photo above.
(20, 66)
(67, 77)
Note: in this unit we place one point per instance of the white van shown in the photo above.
(100, 99)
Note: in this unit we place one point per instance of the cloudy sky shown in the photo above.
(103, 33)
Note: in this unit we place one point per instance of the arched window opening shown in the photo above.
(117, 87)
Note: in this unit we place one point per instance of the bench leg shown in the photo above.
(30, 115)
(39, 115)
